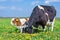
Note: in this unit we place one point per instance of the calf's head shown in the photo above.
(16, 21)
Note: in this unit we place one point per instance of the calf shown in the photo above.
(19, 23)
(41, 15)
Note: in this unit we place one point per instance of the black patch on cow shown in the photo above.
(51, 11)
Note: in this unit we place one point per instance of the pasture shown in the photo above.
(8, 32)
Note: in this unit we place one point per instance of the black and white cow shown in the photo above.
(41, 15)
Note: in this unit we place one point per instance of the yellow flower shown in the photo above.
(47, 33)
(14, 34)
(6, 33)
(0, 37)
(34, 34)
(41, 38)
(27, 36)
(58, 38)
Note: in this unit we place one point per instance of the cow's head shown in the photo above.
(16, 21)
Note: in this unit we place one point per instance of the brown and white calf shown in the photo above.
(19, 23)
(41, 15)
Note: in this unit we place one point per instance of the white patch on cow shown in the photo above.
(12, 20)
(40, 7)
(22, 21)
(46, 14)
(48, 22)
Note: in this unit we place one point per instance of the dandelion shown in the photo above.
(58, 38)
(6, 33)
(14, 34)
(33, 34)
(28, 37)
(46, 34)
(0, 37)
(41, 38)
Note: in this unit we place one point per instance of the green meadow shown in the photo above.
(8, 32)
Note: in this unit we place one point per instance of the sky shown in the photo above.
(23, 8)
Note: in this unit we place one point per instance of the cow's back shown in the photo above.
(50, 10)
(38, 15)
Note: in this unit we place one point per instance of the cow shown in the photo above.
(41, 15)
(19, 23)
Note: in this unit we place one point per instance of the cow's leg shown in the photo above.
(21, 30)
(53, 24)
(44, 28)
(36, 26)
(49, 26)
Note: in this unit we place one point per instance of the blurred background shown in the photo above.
(23, 8)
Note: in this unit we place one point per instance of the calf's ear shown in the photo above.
(17, 19)
(26, 19)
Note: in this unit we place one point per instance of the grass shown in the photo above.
(8, 32)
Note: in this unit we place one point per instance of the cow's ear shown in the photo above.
(17, 19)
(26, 19)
